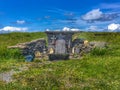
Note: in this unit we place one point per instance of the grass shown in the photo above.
(12, 39)
(99, 69)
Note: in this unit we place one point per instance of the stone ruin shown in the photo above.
(60, 43)
(36, 48)
(60, 46)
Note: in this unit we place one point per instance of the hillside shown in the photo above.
(99, 69)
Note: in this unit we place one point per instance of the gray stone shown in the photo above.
(60, 47)
(98, 44)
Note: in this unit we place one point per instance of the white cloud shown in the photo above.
(47, 29)
(20, 21)
(92, 28)
(13, 29)
(97, 15)
(94, 14)
(113, 27)
(70, 29)
(74, 29)
(66, 29)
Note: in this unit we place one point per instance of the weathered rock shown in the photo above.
(98, 44)
(81, 45)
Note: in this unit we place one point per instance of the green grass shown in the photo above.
(98, 70)
(13, 39)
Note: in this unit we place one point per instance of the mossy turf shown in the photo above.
(98, 70)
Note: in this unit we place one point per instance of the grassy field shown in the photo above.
(98, 70)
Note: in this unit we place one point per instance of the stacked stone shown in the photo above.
(29, 48)
(80, 47)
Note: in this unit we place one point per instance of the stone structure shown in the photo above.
(60, 45)
(60, 42)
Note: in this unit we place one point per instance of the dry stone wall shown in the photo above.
(29, 48)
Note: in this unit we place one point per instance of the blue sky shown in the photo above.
(39, 15)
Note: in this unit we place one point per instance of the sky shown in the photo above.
(41, 15)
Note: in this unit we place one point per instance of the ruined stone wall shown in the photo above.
(29, 48)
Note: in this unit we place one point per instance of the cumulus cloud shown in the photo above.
(75, 29)
(97, 15)
(70, 29)
(66, 29)
(13, 29)
(20, 22)
(92, 15)
(113, 27)
(47, 29)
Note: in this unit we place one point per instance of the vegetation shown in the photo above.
(15, 38)
(99, 69)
